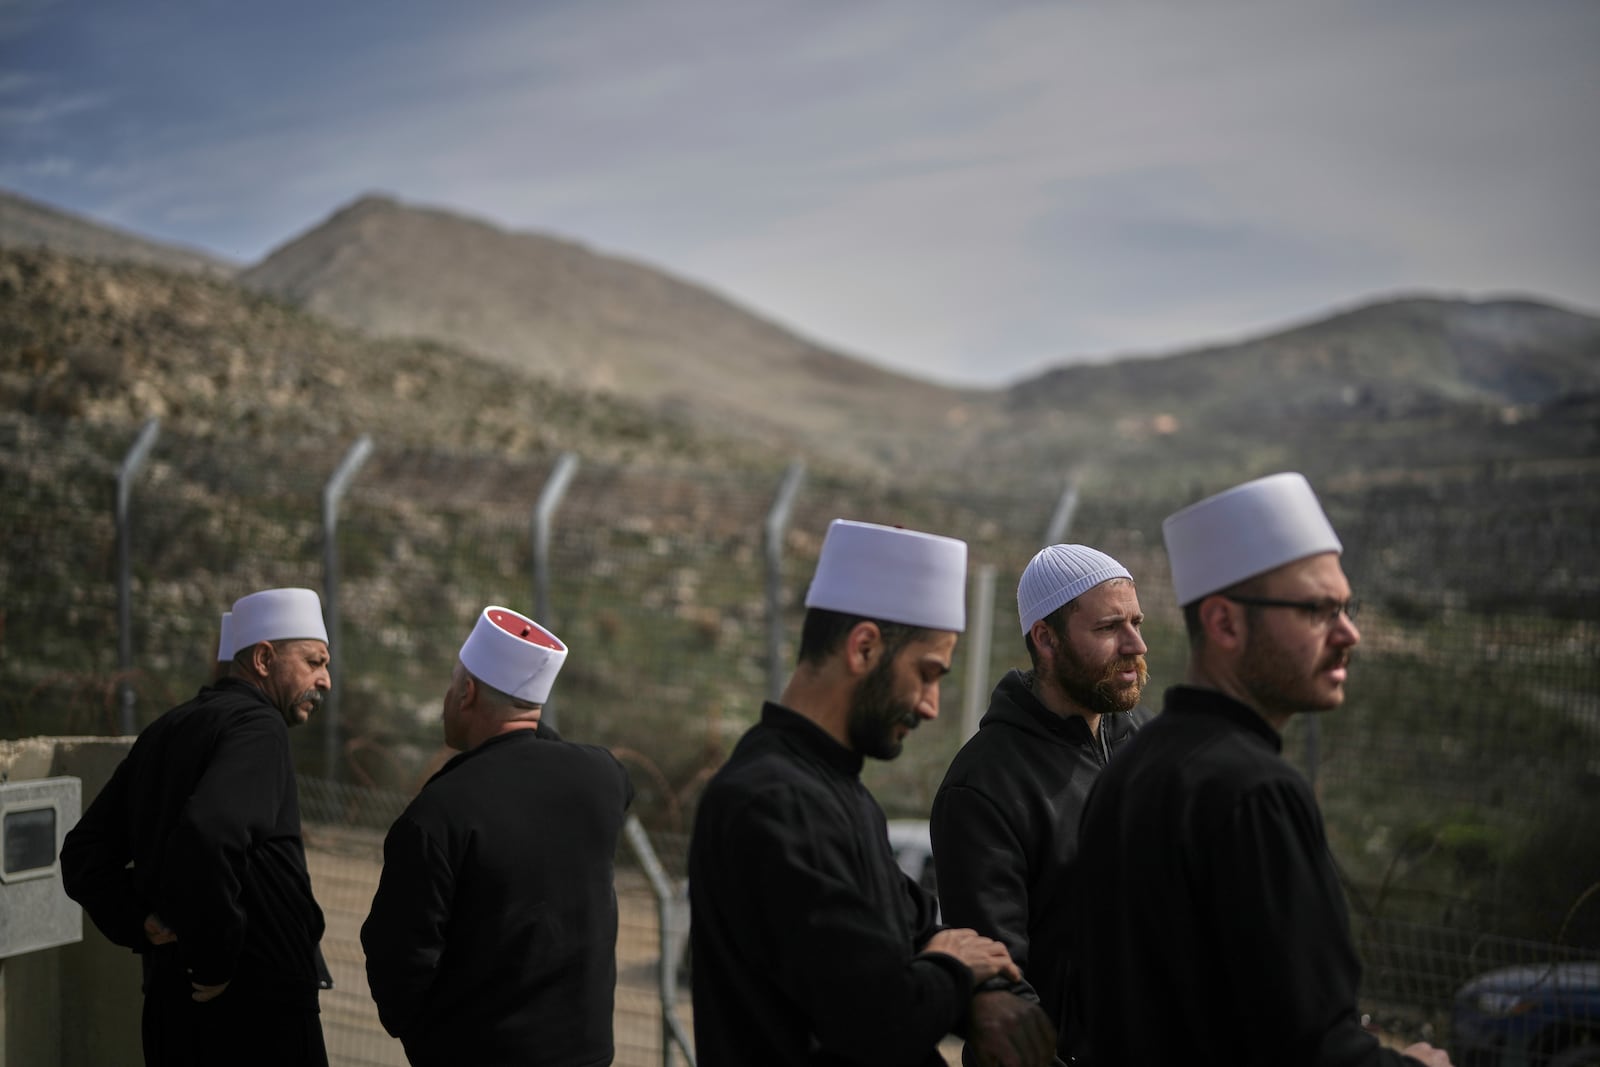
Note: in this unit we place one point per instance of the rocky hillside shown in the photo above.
(114, 344)
(598, 323)
(426, 324)
(26, 223)
(624, 329)
(1414, 384)
(1392, 354)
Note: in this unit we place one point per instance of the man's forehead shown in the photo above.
(1312, 574)
(1112, 597)
(934, 644)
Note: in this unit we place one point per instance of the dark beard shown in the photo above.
(1274, 682)
(874, 714)
(1099, 693)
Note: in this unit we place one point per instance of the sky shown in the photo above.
(966, 190)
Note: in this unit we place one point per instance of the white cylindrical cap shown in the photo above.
(892, 575)
(514, 654)
(276, 615)
(1245, 531)
(225, 649)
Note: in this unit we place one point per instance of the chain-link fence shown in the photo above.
(1461, 781)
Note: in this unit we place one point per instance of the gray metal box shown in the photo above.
(35, 913)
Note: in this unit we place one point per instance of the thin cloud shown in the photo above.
(47, 168)
(49, 109)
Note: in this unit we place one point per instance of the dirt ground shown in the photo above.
(344, 874)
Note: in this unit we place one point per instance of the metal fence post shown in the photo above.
(672, 910)
(132, 464)
(980, 639)
(331, 494)
(777, 523)
(555, 487)
(1066, 508)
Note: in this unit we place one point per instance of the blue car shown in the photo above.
(1545, 1015)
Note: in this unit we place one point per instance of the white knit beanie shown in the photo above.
(1060, 574)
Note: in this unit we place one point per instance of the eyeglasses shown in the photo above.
(1320, 612)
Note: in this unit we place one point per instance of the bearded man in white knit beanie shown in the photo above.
(1005, 820)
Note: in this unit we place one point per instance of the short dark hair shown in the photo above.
(1057, 621)
(1191, 611)
(824, 631)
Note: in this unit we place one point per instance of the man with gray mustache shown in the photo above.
(192, 857)
(1005, 819)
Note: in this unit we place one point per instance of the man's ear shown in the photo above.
(862, 647)
(1222, 621)
(1044, 641)
(261, 656)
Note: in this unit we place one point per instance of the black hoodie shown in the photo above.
(1005, 830)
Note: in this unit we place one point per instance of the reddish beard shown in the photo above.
(1101, 692)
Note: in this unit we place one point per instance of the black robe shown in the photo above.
(1005, 831)
(492, 935)
(805, 933)
(205, 809)
(1221, 936)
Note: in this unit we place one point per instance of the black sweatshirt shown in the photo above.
(1222, 935)
(205, 808)
(1005, 831)
(806, 934)
(492, 936)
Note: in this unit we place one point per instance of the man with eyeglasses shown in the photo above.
(1221, 934)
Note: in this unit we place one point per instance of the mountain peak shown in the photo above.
(564, 312)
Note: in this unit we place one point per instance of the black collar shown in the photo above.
(1189, 699)
(1016, 696)
(483, 746)
(1074, 728)
(811, 738)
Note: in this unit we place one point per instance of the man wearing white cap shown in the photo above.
(492, 936)
(192, 856)
(1221, 935)
(1005, 819)
(810, 945)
